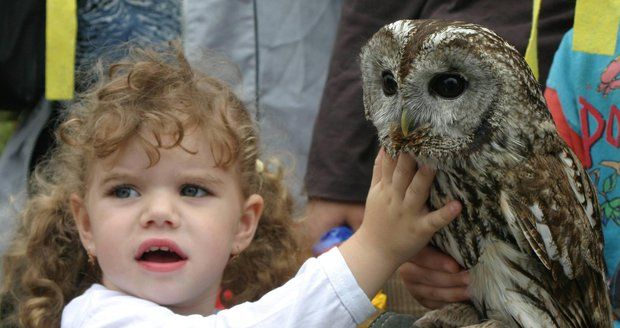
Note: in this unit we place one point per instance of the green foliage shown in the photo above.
(609, 184)
(611, 209)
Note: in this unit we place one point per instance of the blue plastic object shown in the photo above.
(332, 238)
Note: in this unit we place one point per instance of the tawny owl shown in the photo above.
(465, 102)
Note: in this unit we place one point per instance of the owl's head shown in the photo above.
(454, 80)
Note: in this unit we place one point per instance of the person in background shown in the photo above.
(583, 95)
(282, 48)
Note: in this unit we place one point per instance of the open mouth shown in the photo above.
(160, 255)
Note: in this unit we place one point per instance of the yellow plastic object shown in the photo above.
(380, 301)
(531, 52)
(60, 39)
(596, 26)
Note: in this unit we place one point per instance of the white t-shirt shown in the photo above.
(324, 293)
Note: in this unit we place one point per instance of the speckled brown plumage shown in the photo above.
(465, 102)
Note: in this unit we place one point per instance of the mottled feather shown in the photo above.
(530, 229)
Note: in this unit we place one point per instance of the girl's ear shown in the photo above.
(252, 210)
(82, 221)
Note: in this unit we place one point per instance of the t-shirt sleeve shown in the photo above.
(324, 293)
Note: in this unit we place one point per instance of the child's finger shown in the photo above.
(376, 170)
(387, 168)
(406, 167)
(438, 219)
(419, 188)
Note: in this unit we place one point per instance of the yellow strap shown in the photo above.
(60, 38)
(531, 52)
(596, 26)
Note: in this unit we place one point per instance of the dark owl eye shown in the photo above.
(390, 86)
(447, 85)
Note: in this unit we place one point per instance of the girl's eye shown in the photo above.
(193, 191)
(125, 192)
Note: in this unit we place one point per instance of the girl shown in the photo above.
(155, 199)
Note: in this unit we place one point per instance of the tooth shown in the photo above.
(165, 249)
(153, 248)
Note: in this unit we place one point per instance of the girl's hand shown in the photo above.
(397, 224)
(396, 220)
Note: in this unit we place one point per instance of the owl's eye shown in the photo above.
(390, 86)
(447, 85)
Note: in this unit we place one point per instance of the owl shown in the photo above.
(464, 102)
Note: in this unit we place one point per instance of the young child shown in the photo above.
(155, 199)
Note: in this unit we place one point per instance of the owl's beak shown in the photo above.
(404, 123)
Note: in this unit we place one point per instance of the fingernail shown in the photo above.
(452, 267)
(467, 279)
(455, 207)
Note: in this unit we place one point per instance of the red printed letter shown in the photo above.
(614, 121)
(589, 139)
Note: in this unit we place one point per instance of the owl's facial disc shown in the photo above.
(446, 85)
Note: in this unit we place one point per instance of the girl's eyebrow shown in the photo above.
(200, 176)
(114, 176)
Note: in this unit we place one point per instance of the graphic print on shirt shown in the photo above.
(600, 127)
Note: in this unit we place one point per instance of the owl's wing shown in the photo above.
(552, 209)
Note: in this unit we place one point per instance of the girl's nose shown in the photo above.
(160, 211)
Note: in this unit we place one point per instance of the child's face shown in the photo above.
(185, 206)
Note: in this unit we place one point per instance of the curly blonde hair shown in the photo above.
(158, 92)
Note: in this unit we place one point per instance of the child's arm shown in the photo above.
(397, 223)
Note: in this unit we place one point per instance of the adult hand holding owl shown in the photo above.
(435, 279)
(464, 102)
